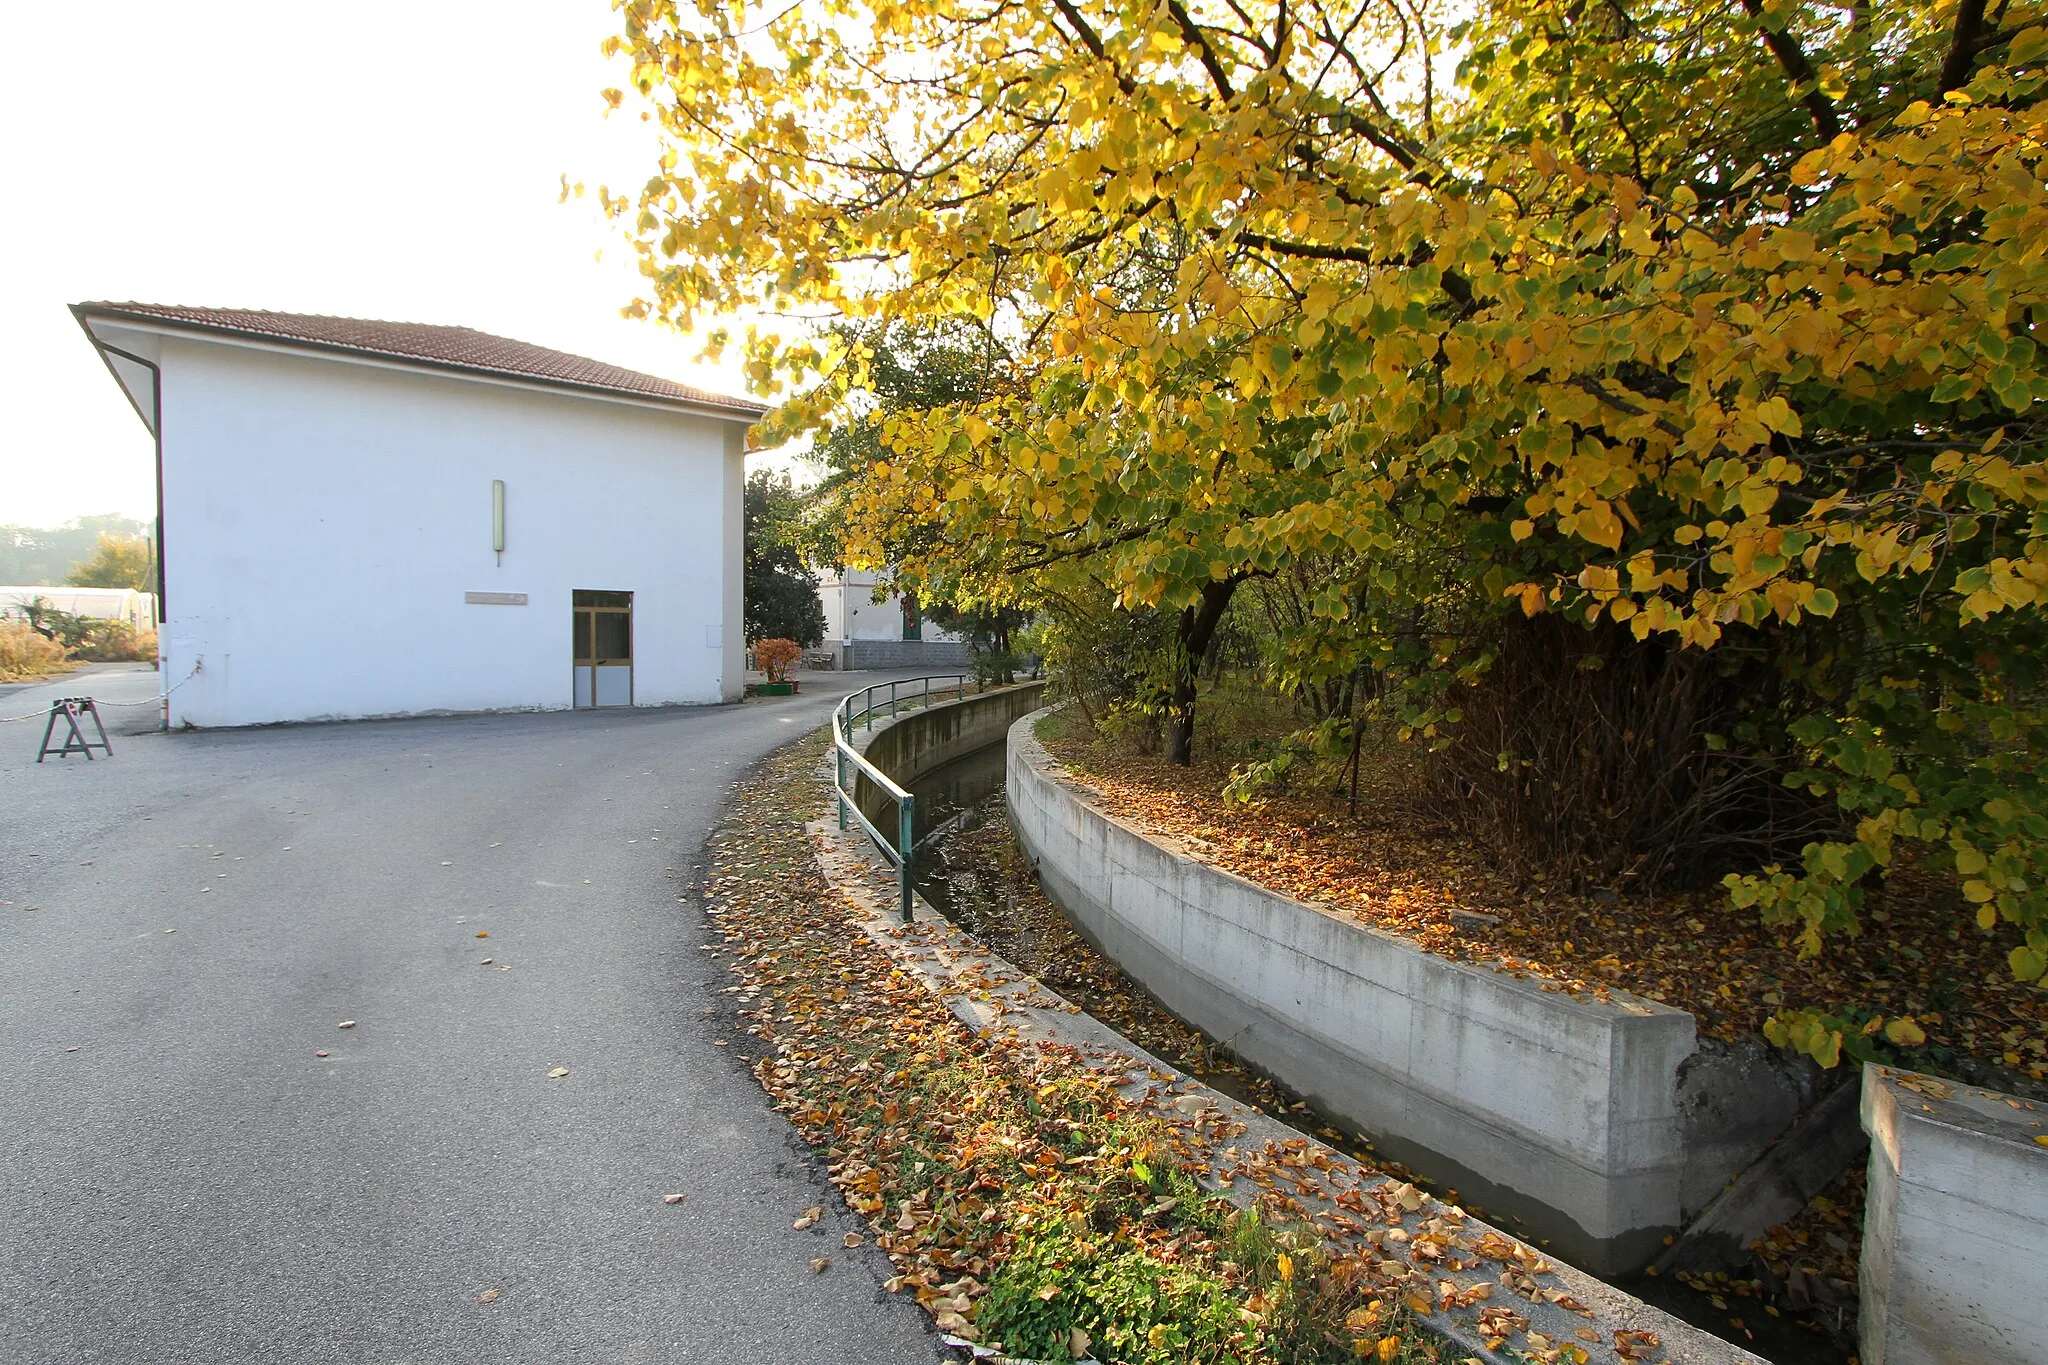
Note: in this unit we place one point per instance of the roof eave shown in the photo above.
(747, 413)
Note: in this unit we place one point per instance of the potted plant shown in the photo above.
(776, 657)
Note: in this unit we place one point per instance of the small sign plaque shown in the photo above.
(495, 599)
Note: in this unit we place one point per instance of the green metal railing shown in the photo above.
(904, 694)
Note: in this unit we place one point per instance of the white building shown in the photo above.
(886, 634)
(365, 518)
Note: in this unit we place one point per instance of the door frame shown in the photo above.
(578, 660)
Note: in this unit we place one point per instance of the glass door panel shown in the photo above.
(603, 648)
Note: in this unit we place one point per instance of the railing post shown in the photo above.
(906, 823)
(927, 692)
(840, 786)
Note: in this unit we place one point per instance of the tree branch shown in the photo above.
(1792, 57)
(1199, 41)
(1964, 46)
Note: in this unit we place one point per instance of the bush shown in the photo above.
(777, 656)
(26, 654)
(116, 642)
(993, 666)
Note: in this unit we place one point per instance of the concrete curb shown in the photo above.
(1461, 1266)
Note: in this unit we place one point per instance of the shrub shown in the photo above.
(26, 654)
(777, 656)
(110, 642)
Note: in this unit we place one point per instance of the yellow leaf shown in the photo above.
(1532, 599)
(2041, 1138)
(1905, 1033)
(1522, 530)
(1285, 1263)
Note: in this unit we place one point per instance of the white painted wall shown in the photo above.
(851, 612)
(324, 519)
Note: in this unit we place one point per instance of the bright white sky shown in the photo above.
(392, 159)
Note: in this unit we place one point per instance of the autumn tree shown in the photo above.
(1679, 332)
(117, 561)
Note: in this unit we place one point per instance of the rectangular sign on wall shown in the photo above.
(495, 599)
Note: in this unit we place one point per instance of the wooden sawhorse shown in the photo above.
(73, 710)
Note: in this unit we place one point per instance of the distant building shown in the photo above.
(137, 610)
(890, 633)
(374, 518)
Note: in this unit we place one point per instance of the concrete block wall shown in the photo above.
(1955, 1233)
(1560, 1111)
(935, 654)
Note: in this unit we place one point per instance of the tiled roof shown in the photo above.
(447, 348)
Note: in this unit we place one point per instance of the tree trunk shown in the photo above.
(1191, 641)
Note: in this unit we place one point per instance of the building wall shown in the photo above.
(325, 519)
(937, 655)
(851, 612)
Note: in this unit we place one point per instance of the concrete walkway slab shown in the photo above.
(184, 1179)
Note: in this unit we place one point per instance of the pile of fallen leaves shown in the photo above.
(1921, 958)
(1020, 1197)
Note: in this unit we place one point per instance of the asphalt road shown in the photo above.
(184, 1179)
(127, 693)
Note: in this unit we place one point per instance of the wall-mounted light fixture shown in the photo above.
(498, 518)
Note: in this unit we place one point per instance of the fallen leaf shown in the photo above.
(1078, 1343)
(2041, 1138)
(1905, 1033)
(319, 1054)
(671, 1199)
(851, 1240)
(558, 1073)
(808, 1217)
(346, 1023)
(481, 934)
(488, 1296)
(818, 1266)
(487, 962)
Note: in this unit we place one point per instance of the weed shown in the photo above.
(25, 654)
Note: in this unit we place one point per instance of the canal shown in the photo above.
(977, 877)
